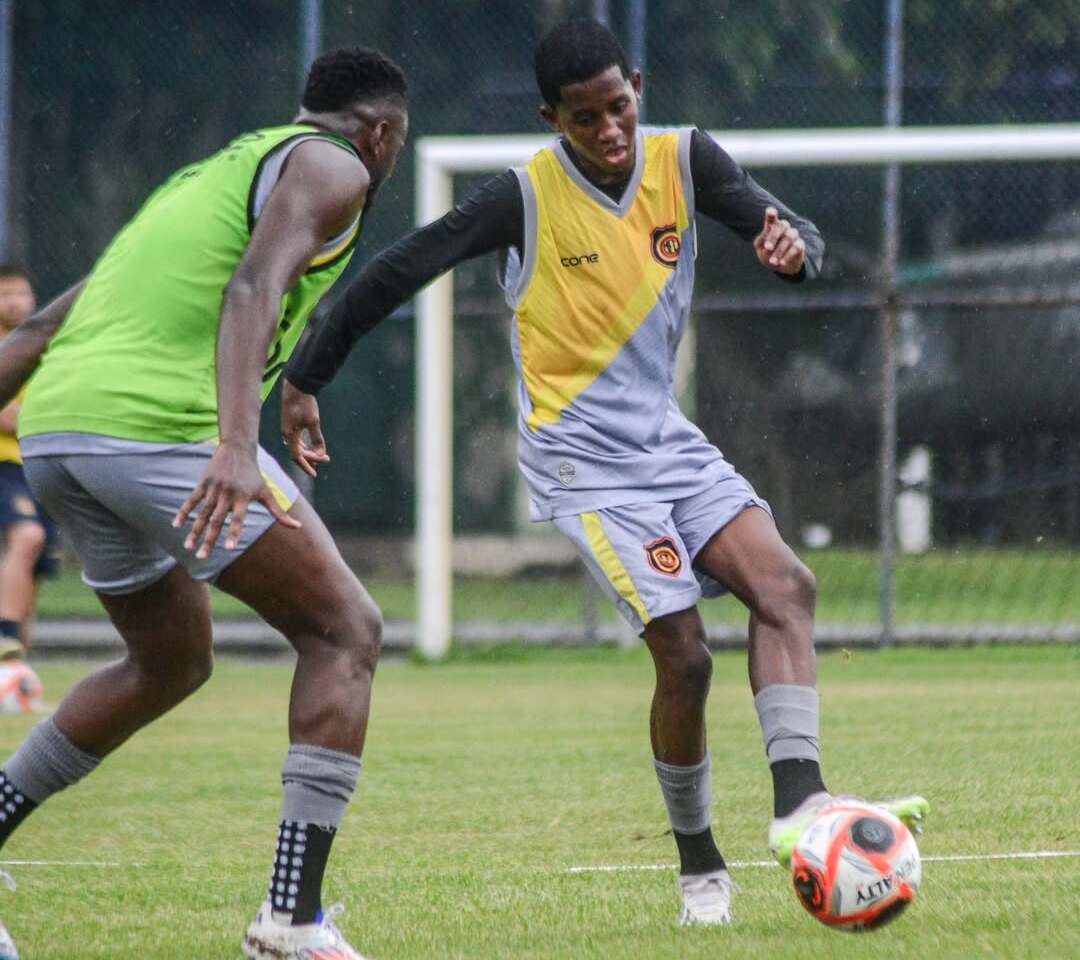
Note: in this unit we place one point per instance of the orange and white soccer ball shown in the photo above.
(856, 867)
(20, 689)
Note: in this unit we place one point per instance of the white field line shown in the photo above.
(628, 868)
(63, 863)
(742, 864)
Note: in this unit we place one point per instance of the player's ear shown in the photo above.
(380, 136)
(550, 117)
(635, 82)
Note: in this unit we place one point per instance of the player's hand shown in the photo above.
(232, 482)
(779, 246)
(300, 413)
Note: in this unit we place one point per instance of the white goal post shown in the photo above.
(440, 158)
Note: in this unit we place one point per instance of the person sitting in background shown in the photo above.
(31, 541)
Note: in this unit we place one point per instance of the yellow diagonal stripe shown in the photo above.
(611, 564)
(551, 393)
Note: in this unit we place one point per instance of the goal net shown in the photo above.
(788, 382)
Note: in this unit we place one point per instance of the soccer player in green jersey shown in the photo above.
(142, 416)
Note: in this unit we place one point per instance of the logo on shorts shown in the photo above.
(566, 473)
(664, 556)
(666, 245)
(24, 506)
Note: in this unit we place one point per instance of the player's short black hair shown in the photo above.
(575, 51)
(9, 270)
(340, 78)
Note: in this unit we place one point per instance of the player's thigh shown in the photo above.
(166, 625)
(297, 581)
(116, 557)
(636, 555)
(748, 556)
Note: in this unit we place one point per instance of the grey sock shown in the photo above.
(789, 716)
(688, 794)
(318, 784)
(47, 762)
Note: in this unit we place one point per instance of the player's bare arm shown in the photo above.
(21, 349)
(779, 245)
(319, 195)
(9, 417)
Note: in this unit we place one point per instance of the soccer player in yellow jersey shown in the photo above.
(600, 244)
(143, 415)
(31, 547)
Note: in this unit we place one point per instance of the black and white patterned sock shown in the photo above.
(15, 807)
(296, 883)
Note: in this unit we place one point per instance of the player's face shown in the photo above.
(16, 301)
(599, 117)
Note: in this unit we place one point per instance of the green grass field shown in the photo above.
(487, 777)
(945, 587)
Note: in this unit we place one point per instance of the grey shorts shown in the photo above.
(116, 506)
(642, 554)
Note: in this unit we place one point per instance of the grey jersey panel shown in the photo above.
(623, 439)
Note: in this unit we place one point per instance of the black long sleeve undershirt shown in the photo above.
(491, 217)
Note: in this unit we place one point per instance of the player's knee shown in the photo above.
(27, 540)
(689, 670)
(176, 676)
(197, 669)
(367, 632)
(353, 624)
(792, 595)
(697, 671)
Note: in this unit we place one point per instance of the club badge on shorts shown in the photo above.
(664, 557)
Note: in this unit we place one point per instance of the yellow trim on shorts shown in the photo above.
(611, 564)
(279, 495)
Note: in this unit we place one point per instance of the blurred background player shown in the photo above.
(600, 240)
(149, 380)
(31, 544)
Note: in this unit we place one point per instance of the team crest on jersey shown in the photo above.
(666, 245)
(664, 556)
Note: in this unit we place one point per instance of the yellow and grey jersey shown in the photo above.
(600, 305)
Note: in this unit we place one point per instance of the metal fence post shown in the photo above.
(311, 16)
(637, 16)
(890, 251)
(5, 126)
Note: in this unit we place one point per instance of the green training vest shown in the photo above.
(136, 356)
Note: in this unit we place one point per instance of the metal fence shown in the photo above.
(978, 302)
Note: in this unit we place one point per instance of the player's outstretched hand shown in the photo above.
(231, 483)
(779, 246)
(300, 413)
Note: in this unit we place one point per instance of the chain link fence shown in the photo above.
(109, 98)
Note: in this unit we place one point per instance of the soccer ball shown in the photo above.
(20, 688)
(856, 867)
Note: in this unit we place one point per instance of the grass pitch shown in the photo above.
(968, 586)
(486, 778)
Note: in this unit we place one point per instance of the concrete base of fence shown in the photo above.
(252, 637)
